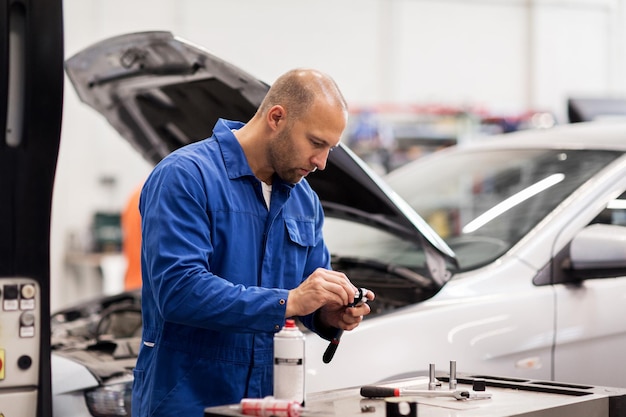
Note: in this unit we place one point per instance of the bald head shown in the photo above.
(300, 120)
(298, 89)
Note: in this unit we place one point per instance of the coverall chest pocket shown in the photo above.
(301, 231)
(290, 260)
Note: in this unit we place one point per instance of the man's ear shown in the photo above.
(276, 116)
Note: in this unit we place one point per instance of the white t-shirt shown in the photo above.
(267, 193)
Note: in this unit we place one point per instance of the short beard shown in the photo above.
(280, 155)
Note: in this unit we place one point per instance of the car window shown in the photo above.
(482, 202)
(614, 213)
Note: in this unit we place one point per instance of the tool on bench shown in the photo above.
(372, 391)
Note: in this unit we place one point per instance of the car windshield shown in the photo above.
(482, 202)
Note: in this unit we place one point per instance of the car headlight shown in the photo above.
(112, 399)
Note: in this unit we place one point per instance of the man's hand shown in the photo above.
(331, 292)
(322, 287)
(343, 317)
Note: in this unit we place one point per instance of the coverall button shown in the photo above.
(276, 327)
(282, 301)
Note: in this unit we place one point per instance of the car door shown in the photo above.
(590, 338)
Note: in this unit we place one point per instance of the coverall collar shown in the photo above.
(232, 152)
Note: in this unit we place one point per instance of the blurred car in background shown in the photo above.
(507, 254)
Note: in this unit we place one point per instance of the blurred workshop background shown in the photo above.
(418, 75)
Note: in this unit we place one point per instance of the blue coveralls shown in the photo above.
(217, 267)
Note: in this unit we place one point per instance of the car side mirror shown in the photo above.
(598, 251)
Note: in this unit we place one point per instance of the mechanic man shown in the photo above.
(232, 246)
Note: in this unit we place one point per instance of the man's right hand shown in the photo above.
(322, 287)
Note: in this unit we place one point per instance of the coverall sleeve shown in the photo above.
(176, 248)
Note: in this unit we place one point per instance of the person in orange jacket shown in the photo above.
(131, 241)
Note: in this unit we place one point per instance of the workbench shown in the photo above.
(509, 397)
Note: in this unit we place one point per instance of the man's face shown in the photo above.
(302, 146)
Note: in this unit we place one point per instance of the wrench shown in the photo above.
(372, 391)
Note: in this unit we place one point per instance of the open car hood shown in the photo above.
(160, 93)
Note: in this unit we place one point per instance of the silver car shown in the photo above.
(537, 222)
